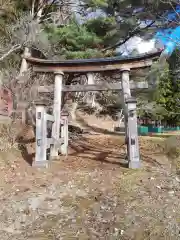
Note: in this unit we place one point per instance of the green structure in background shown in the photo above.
(145, 130)
(152, 129)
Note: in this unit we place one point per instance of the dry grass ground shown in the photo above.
(89, 195)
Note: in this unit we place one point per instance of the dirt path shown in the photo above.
(90, 195)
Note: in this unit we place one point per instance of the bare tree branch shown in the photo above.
(13, 49)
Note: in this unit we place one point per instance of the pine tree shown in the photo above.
(167, 96)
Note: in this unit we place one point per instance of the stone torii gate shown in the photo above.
(86, 66)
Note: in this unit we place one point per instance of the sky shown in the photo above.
(137, 43)
(169, 38)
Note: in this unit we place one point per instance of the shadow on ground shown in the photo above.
(83, 149)
(25, 146)
(29, 158)
(113, 153)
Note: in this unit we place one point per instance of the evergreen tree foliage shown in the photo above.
(74, 41)
(80, 41)
(167, 96)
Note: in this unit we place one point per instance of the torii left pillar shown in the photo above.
(130, 121)
(126, 94)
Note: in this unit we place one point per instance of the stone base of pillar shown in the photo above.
(40, 164)
(134, 165)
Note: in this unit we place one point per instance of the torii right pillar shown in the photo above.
(130, 122)
(132, 131)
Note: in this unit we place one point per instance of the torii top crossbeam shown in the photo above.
(93, 65)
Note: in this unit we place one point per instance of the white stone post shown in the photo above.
(41, 138)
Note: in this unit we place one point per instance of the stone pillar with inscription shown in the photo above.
(133, 143)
